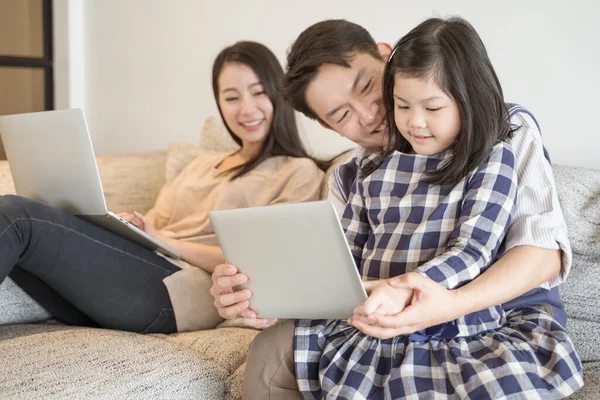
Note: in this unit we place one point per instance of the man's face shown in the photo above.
(350, 100)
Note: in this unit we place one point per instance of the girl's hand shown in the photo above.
(431, 304)
(383, 300)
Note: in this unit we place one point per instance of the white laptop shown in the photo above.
(52, 160)
(296, 257)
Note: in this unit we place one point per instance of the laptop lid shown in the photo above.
(52, 160)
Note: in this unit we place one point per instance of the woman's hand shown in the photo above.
(132, 219)
(142, 223)
(431, 304)
(232, 302)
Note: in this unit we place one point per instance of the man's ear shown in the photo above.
(385, 49)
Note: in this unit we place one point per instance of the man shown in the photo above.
(334, 76)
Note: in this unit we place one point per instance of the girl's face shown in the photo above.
(245, 106)
(425, 115)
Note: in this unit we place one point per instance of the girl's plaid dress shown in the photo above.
(396, 223)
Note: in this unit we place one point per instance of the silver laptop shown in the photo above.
(52, 160)
(296, 257)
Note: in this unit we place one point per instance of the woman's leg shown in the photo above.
(116, 283)
(48, 298)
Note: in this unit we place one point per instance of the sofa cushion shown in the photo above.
(131, 182)
(579, 194)
(215, 138)
(17, 307)
(586, 338)
(591, 378)
(225, 346)
(6, 183)
(234, 384)
(179, 156)
(58, 362)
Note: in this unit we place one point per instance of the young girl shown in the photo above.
(91, 276)
(438, 206)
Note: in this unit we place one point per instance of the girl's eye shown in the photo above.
(434, 109)
(367, 86)
(343, 116)
(402, 107)
(231, 98)
(259, 93)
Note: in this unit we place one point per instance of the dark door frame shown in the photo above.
(45, 62)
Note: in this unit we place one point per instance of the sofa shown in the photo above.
(43, 359)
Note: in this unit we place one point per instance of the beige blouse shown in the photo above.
(181, 212)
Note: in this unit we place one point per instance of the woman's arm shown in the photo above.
(199, 255)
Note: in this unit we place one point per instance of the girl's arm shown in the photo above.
(485, 217)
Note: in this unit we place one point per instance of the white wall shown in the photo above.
(147, 63)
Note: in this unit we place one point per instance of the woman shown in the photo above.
(85, 275)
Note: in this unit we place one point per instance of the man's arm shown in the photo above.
(538, 220)
(521, 269)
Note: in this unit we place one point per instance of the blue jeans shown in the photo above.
(81, 273)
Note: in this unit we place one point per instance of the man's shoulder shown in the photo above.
(527, 132)
(520, 116)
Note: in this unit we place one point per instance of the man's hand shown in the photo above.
(230, 301)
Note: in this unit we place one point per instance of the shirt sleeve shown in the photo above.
(488, 201)
(334, 196)
(355, 222)
(537, 219)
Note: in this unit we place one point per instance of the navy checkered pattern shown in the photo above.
(395, 223)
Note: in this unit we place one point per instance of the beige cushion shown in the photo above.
(6, 182)
(215, 137)
(132, 182)
(61, 362)
(178, 156)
